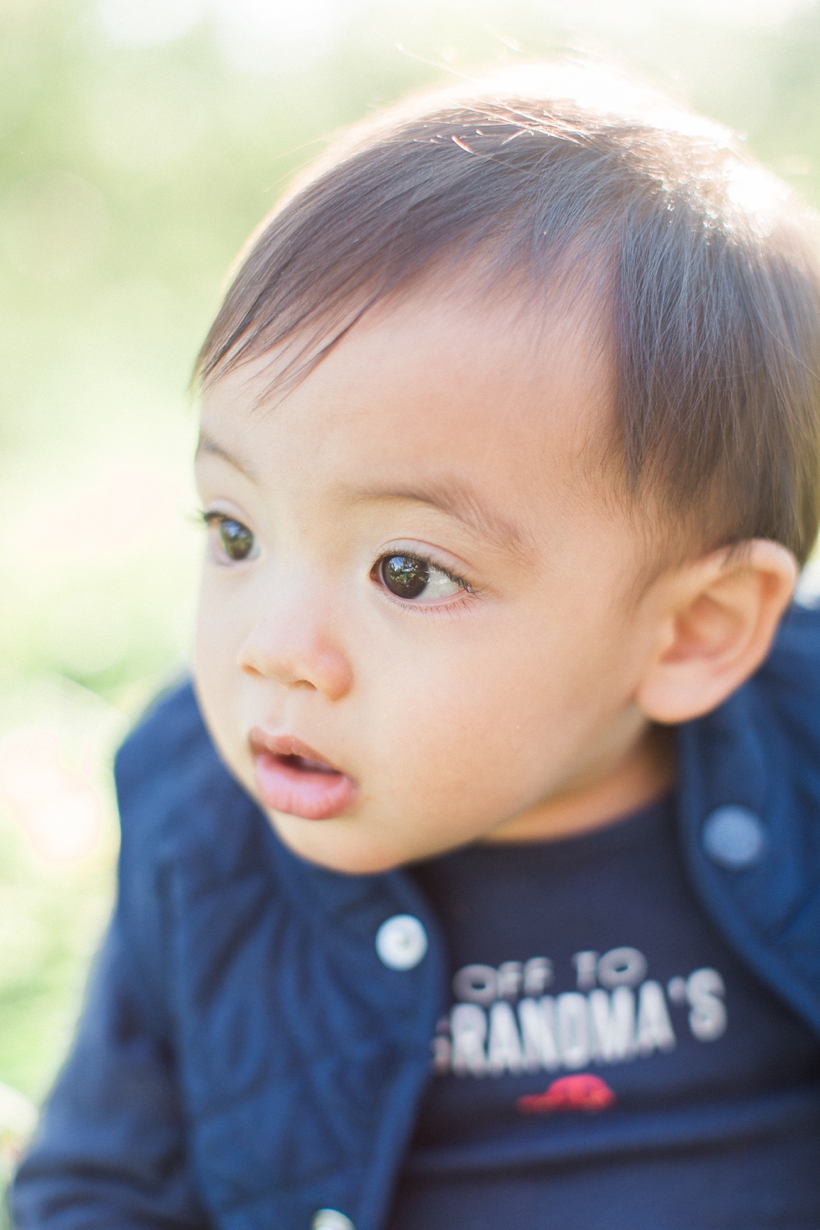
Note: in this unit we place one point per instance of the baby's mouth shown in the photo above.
(293, 778)
(306, 765)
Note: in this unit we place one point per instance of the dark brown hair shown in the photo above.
(703, 267)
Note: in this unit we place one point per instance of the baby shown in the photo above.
(510, 455)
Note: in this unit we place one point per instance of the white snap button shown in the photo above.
(734, 837)
(401, 942)
(331, 1219)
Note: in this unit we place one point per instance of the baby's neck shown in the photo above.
(644, 774)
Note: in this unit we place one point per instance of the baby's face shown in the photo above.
(415, 624)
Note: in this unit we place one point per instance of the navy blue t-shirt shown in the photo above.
(607, 1061)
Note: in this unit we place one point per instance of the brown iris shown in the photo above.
(235, 538)
(406, 576)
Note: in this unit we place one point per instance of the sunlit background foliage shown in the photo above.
(140, 141)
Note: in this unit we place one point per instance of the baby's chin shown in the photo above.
(339, 844)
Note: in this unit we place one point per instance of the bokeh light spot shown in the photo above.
(59, 809)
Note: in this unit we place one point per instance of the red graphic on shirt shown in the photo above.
(581, 1092)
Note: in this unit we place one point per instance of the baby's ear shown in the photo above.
(717, 617)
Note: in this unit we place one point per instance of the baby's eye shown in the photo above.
(235, 539)
(407, 576)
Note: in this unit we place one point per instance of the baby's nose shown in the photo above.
(296, 650)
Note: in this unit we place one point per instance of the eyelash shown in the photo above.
(210, 518)
(467, 590)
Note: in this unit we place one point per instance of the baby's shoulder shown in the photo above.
(197, 857)
(169, 737)
(788, 683)
(178, 803)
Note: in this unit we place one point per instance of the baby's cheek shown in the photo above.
(218, 682)
(495, 740)
(459, 766)
(210, 675)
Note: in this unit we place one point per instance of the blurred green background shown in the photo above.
(140, 141)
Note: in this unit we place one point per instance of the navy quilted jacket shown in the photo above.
(246, 1059)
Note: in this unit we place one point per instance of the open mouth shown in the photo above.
(305, 765)
(294, 779)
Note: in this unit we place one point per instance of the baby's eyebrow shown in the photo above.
(458, 500)
(450, 495)
(212, 447)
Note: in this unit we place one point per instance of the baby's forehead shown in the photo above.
(435, 392)
(439, 336)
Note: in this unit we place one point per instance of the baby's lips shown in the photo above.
(295, 779)
(287, 745)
